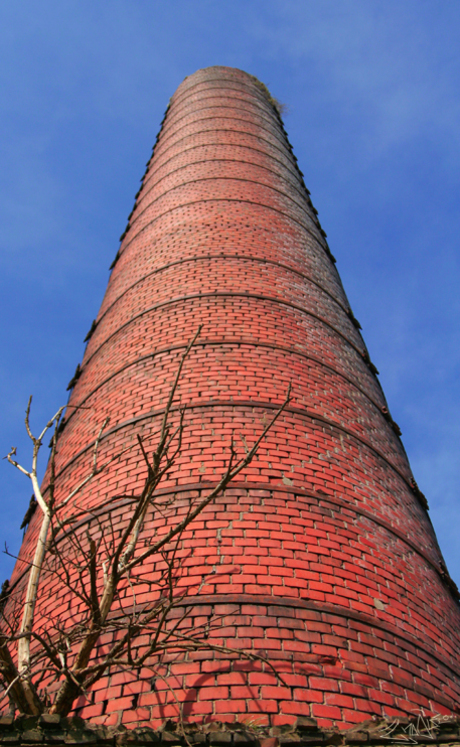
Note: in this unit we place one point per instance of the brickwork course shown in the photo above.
(321, 556)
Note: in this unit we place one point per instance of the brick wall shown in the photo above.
(321, 556)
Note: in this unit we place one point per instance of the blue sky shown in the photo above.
(372, 90)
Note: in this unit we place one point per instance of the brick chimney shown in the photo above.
(321, 557)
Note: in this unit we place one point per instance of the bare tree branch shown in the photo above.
(101, 566)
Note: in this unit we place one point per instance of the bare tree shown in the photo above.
(101, 569)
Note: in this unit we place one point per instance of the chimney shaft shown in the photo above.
(321, 556)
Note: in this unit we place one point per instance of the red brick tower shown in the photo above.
(323, 554)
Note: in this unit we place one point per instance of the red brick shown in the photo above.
(354, 717)
(234, 678)
(230, 706)
(243, 691)
(263, 678)
(334, 699)
(107, 693)
(381, 697)
(309, 696)
(348, 688)
(121, 704)
(318, 683)
(213, 693)
(133, 717)
(90, 711)
(278, 693)
(325, 711)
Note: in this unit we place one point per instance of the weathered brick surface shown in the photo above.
(51, 730)
(321, 557)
